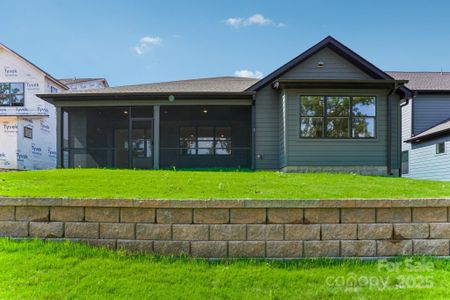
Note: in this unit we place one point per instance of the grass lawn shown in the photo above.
(46, 270)
(103, 183)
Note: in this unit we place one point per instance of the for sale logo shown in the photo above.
(9, 128)
(10, 72)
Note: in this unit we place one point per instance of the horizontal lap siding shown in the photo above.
(426, 164)
(406, 125)
(267, 128)
(335, 67)
(335, 152)
(430, 110)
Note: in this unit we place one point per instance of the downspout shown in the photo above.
(389, 131)
(253, 121)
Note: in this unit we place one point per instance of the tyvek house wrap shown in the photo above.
(17, 151)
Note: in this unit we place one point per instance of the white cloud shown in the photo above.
(234, 22)
(145, 44)
(256, 19)
(247, 73)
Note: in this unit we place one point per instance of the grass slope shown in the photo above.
(103, 183)
(45, 270)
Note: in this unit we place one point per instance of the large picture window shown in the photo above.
(337, 116)
(12, 94)
(205, 140)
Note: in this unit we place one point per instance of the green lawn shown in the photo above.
(45, 270)
(102, 183)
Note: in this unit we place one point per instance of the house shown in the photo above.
(327, 109)
(80, 84)
(28, 124)
(426, 126)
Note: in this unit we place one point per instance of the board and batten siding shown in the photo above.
(340, 152)
(267, 141)
(424, 163)
(334, 67)
(430, 110)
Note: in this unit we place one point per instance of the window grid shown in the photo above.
(8, 97)
(215, 149)
(351, 117)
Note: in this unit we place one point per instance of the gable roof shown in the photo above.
(438, 130)
(336, 46)
(226, 84)
(81, 80)
(424, 81)
(48, 76)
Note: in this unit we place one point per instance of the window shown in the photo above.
(205, 140)
(440, 148)
(28, 132)
(12, 94)
(337, 116)
(405, 162)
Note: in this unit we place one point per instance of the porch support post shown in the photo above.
(59, 131)
(156, 110)
(253, 150)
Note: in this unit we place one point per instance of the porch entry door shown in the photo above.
(141, 141)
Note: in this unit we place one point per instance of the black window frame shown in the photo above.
(350, 117)
(28, 132)
(9, 95)
(214, 141)
(438, 148)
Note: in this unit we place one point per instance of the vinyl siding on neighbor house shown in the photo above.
(424, 163)
(406, 125)
(429, 110)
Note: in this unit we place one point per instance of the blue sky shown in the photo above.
(148, 41)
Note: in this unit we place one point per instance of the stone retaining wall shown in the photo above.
(248, 228)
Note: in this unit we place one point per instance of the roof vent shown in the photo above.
(320, 64)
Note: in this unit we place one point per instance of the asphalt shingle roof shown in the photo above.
(78, 80)
(201, 85)
(424, 81)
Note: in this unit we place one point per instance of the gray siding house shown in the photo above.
(425, 126)
(328, 109)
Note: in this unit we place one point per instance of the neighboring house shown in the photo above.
(27, 123)
(328, 109)
(425, 125)
(81, 84)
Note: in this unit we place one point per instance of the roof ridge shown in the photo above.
(186, 80)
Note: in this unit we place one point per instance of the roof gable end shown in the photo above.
(46, 75)
(334, 45)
